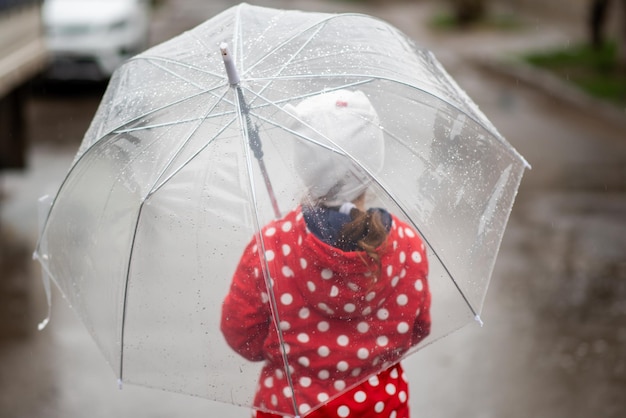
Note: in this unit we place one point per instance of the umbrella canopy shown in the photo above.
(167, 190)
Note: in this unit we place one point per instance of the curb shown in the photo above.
(556, 88)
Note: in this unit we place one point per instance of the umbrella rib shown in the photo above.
(270, 80)
(166, 124)
(154, 59)
(269, 102)
(154, 187)
(194, 155)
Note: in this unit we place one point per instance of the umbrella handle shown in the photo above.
(252, 131)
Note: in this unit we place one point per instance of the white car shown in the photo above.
(89, 39)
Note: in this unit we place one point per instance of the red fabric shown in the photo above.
(339, 326)
(384, 395)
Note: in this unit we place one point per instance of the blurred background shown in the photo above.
(551, 76)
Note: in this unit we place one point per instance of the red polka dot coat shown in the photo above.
(338, 324)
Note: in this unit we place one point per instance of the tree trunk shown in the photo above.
(597, 20)
(468, 11)
(621, 36)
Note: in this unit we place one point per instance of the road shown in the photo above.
(554, 340)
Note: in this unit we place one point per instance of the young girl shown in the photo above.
(349, 283)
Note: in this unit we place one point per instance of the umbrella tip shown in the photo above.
(229, 65)
(480, 321)
(119, 384)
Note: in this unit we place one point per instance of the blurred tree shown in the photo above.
(468, 11)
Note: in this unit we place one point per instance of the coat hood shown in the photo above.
(340, 284)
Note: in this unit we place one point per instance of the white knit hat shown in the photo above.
(347, 123)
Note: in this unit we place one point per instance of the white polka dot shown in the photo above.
(389, 270)
(264, 297)
(419, 286)
(303, 338)
(286, 249)
(403, 327)
(379, 407)
(327, 274)
(255, 248)
(274, 400)
(362, 327)
(305, 382)
(343, 340)
(323, 351)
(284, 325)
(395, 281)
(373, 381)
(409, 232)
(363, 353)
(343, 411)
(269, 255)
(323, 326)
(370, 296)
(395, 245)
(268, 382)
(303, 263)
(416, 257)
(304, 361)
(382, 314)
(334, 291)
(322, 397)
(360, 396)
(286, 299)
(339, 384)
(323, 374)
(402, 299)
(367, 311)
(311, 286)
(270, 231)
(402, 396)
(279, 373)
(394, 414)
(287, 272)
(382, 341)
(287, 392)
(403, 273)
(401, 232)
(256, 272)
(304, 408)
(304, 313)
(356, 371)
(325, 308)
(354, 287)
(342, 366)
(402, 256)
(393, 373)
(349, 307)
(287, 226)
(390, 388)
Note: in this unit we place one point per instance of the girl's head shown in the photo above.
(337, 129)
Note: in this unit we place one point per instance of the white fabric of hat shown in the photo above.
(350, 126)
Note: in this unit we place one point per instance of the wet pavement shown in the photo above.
(554, 340)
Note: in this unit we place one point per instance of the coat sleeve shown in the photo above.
(246, 317)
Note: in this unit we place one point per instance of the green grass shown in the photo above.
(593, 70)
(505, 22)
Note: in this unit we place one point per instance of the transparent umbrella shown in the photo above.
(190, 157)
